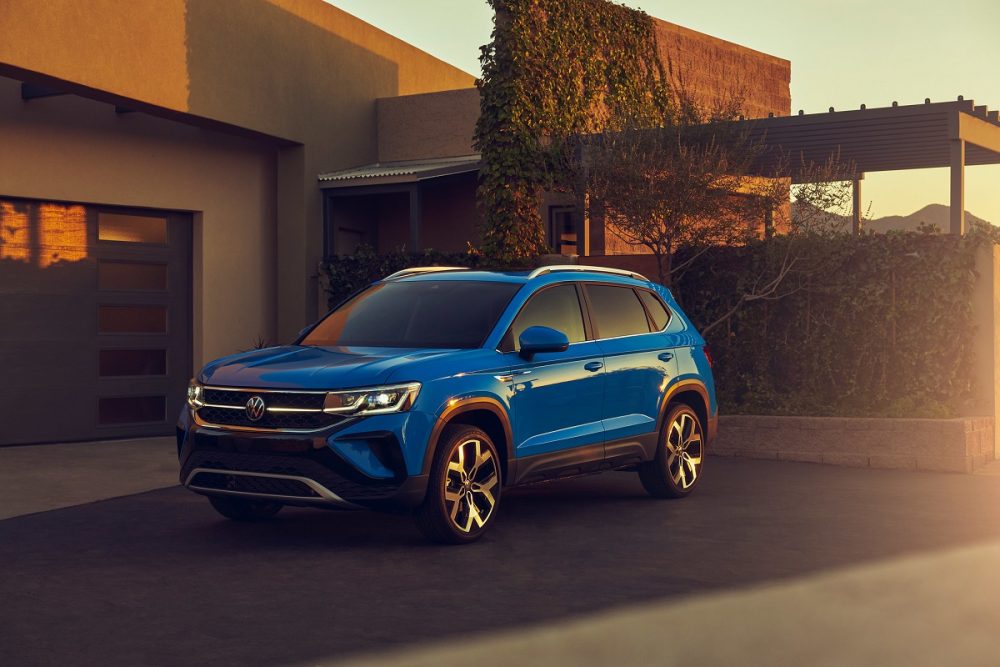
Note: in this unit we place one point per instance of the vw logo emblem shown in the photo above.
(256, 408)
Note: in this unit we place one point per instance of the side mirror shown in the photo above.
(534, 340)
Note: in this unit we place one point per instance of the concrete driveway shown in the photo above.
(157, 578)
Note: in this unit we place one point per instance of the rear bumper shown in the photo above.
(293, 469)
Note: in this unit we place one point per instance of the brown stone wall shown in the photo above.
(432, 125)
(943, 445)
(711, 68)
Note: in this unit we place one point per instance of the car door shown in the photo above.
(557, 396)
(639, 361)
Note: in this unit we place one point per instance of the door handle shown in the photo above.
(594, 366)
(665, 356)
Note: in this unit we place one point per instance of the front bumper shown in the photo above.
(321, 469)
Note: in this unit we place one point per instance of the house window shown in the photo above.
(562, 230)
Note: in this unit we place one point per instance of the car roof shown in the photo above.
(545, 274)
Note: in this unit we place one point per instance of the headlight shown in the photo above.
(195, 398)
(373, 401)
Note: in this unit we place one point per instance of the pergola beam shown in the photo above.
(856, 210)
(957, 187)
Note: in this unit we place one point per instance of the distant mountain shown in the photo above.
(932, 214)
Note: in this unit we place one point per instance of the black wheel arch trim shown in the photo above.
(459, 407)
(689, 384)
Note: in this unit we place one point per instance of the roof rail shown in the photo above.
(542, 270)
(416, 270)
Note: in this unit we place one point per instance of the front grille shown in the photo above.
(227, 407)
(299, 421)
(274, 399)
(272, 486)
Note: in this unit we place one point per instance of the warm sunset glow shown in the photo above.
(62, 234)
(43, 234)
(14, 237)
(132, 228)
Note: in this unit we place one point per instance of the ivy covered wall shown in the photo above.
(555, 69)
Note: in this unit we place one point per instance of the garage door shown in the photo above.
(95, 321)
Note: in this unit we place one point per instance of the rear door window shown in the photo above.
(616, 311)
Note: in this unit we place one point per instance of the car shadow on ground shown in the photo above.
(160, 578)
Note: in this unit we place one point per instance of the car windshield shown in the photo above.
(430, 314)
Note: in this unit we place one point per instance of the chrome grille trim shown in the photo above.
(249, 392)
(326, 496)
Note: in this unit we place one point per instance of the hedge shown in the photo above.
(876, 325)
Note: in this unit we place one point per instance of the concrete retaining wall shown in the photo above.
(949, 445)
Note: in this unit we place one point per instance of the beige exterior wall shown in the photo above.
(986, 341)
(136, 160)
(300, 71)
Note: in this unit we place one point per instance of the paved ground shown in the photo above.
(47, 477)
(157, 578)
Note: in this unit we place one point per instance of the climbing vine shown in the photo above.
(555, 70)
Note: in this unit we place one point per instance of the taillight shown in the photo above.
(708, 355)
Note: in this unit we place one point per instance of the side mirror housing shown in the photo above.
(535, 340)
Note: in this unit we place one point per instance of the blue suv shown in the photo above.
(436, 389)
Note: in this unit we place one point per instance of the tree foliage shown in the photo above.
(555, 70)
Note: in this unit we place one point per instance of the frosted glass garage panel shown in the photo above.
(131, 409)
(132, 319)
(131, 228)
(131, 276)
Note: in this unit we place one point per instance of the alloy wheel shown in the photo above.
(684, 450)
(469, 485)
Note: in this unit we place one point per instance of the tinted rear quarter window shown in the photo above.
(657, 311)
(616, 311)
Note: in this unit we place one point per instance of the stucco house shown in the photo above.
(171, 173)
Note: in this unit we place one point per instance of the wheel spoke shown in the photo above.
(489, 498)
(675, 428)
(473, 516)
(693, 468)
(486, 485)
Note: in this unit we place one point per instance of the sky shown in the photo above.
(844, 53)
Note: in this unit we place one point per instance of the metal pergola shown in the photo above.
(919, 136)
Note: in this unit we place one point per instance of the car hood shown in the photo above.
(309, 368)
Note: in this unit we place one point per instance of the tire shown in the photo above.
(463, 490)
(676, 469)
(244, 509)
